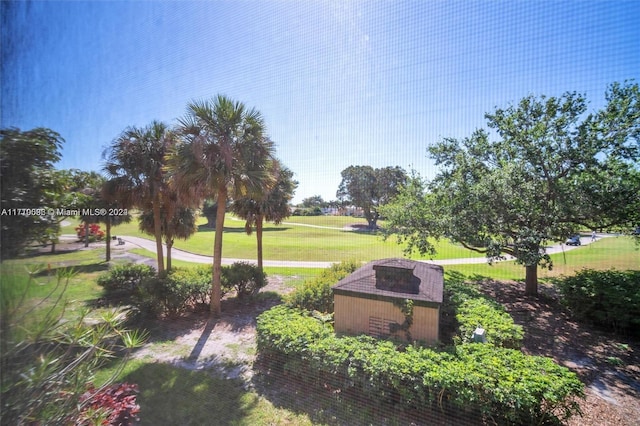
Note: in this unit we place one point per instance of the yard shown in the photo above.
(193, 370)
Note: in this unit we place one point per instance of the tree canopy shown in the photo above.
(369, 188)
(545, 169)
(27, 181)
(271, 205)
(135, 165)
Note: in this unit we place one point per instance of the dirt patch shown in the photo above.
(225, 345)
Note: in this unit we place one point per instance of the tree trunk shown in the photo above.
(216, 283)
(259, 219)
(157, 231)
(169, 246)
(531, 280)
(108, 226)
(86, 233)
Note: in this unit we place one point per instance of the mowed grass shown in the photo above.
(612, 252)
(299, 242)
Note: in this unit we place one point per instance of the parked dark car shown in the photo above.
(573, 240)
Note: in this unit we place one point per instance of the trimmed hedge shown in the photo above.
(608, 298)
(316, 294)
(499, 383)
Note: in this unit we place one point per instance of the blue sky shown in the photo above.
(339, 83)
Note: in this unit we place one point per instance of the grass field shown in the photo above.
(606, 253)
(300, 243)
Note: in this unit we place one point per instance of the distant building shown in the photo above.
(368, 301)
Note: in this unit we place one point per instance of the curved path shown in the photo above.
(177, 254)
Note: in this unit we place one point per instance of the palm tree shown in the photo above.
(109, 200)
(181, 225)
(272, 205)
(224, 155)
(135, 161)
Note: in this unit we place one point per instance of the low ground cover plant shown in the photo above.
(110, 405)
(610, 299)
(473, 309)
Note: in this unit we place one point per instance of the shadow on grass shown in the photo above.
(171, 395)
(82, 269)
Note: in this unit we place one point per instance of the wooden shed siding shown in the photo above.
(352, 316)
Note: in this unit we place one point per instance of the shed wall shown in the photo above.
(355, 315)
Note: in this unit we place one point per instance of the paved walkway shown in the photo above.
(177, 254)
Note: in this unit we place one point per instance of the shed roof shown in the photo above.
(428, 278)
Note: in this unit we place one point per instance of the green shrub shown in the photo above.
(124, 279)
(243, 277)
(607, 298)
(309, 211)
(179, 290)
(316, 294)
(501, 384)
(473, 309)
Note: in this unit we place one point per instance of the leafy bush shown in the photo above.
(124, 279)
(309, 211)
(500, 383)
(607, 298)
(176, 292)
(245, 278)
(473, 309)
(316, 294)
(113, 405)
(47, 359)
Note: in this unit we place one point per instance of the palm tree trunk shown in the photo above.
(108, 226)
(169, 246)
(157, 231)
(216, 283)
(259, 219)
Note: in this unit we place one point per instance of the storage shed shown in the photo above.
(371, 300)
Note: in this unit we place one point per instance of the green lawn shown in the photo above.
(606, 253)
(301, 243)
